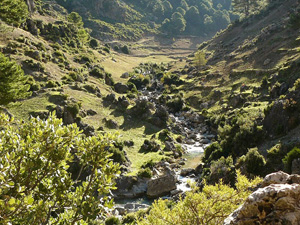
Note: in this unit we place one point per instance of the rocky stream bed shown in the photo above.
(170, 178)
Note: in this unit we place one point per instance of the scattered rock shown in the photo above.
(125, 75)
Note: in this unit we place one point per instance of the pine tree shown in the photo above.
(12, 81)
(13, 12)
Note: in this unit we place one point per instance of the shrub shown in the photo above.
(288, 159)
(112, 221)
(35, 155)
(51, 84)
(97, 72)
(125, 49)
(253, 161)
(147, 173)
(211, 206)
(213, 152)
(175, 104)
(13, 81)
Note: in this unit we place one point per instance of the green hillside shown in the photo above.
(102, 93)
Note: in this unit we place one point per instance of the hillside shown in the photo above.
(133, 85)
(131, 20)
(249, 87)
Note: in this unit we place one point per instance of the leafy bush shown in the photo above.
(112, 221)
(288, 159)
(36, 184)
(211, 206)
(13, 81)
(253, 161)
(213, 152)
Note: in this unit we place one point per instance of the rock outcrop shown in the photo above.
(277, 202)
(162, 185)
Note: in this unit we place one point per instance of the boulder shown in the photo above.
(162, 185)
(280, 178)
(121, 88)
(169, 146)
(187, 171)
(274, 204)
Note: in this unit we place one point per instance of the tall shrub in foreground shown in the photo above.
(36, 185)
(210, 206)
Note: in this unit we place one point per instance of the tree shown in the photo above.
(178, 23)
(13, 12)
(210, 206)
(246, 7)
(12, 81)
(168, 8)
(75, 18)
(199, 59)
(193, 16)
(51, 174)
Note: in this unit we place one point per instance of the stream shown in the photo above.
(196, 137)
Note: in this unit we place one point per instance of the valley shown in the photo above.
(150, 112)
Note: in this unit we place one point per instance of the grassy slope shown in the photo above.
(238, 56)
(113, 62)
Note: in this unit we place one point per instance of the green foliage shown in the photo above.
(211, 206)
(75, 18)
(253, 161)
(12, 81)
(213, 152)
(199, 59)
(288, 159)
(36, 184)
(13, 12)
(112, 221)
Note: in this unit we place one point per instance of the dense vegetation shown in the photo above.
(240, 88)
(133, 19)
(50, 173)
